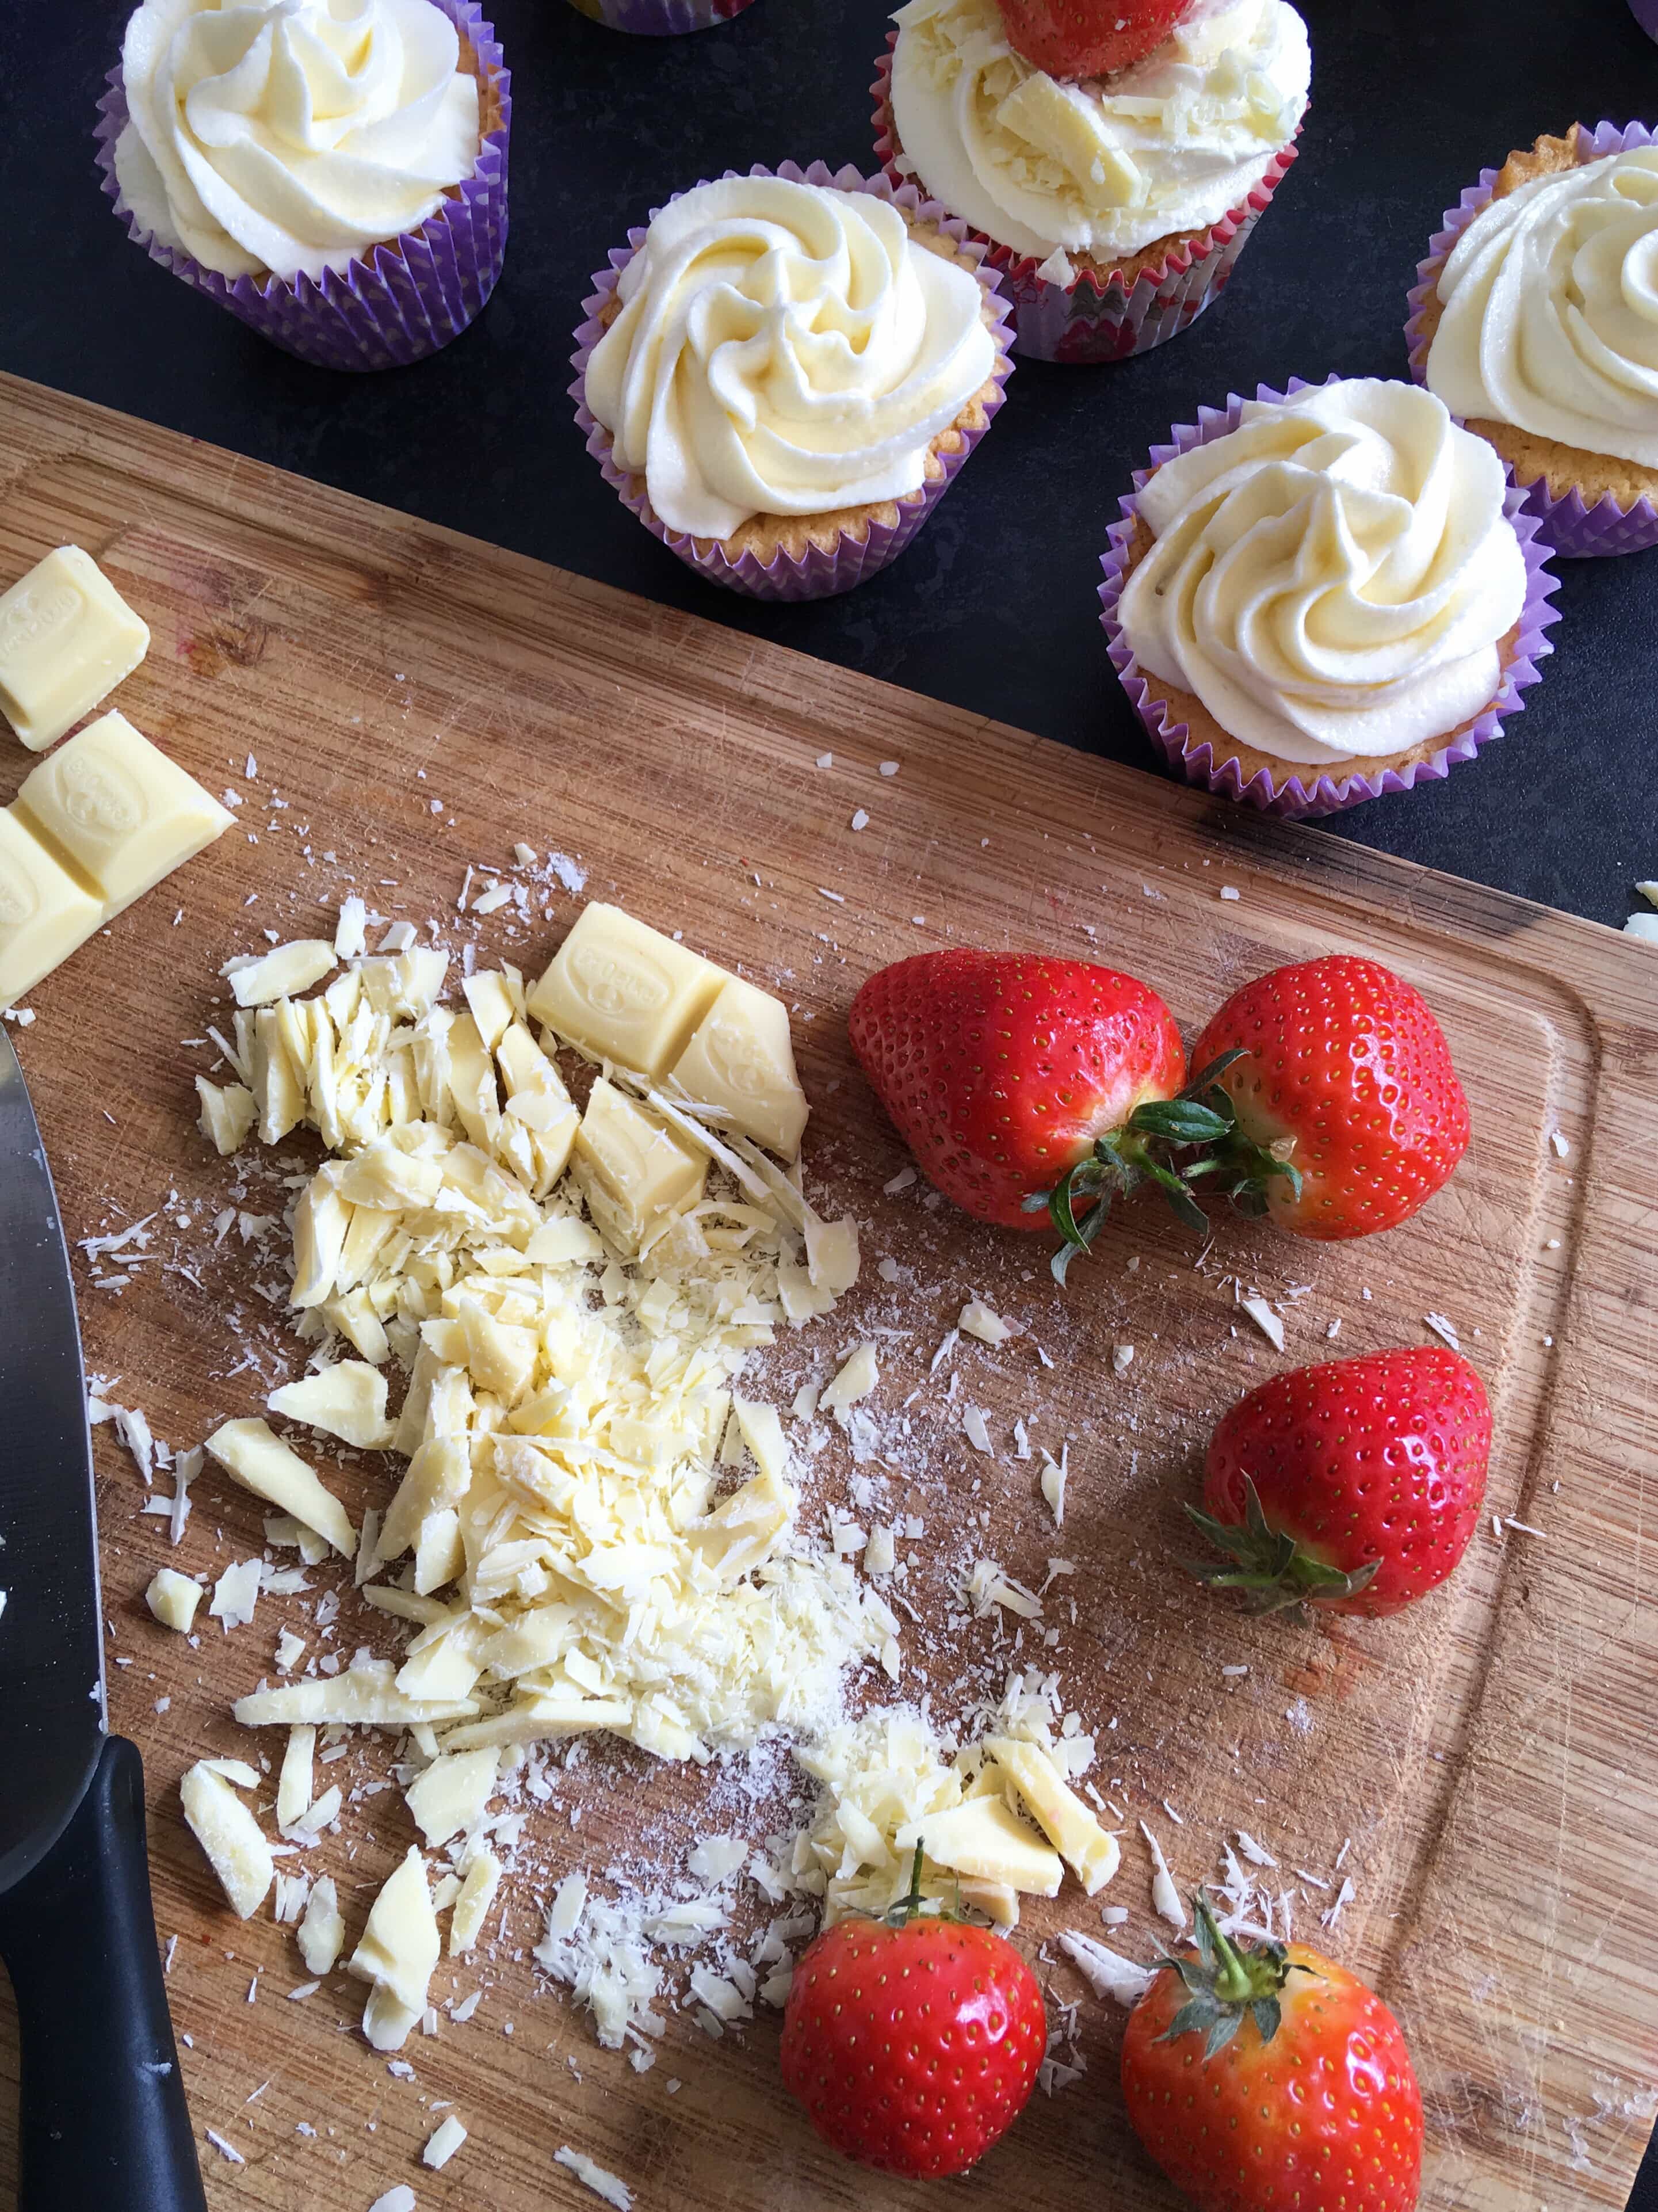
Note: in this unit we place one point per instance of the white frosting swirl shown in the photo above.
(1551, 310)
(784, 349)
(290, 135)
(1333, 578)
(1103, 166)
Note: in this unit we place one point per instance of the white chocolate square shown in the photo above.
(741, 1058)
(67, 639)
(625, 992)
(44, 914)
(631, 1167)
(121, 813)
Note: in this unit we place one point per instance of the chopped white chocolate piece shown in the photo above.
(1056, 1474)
(603, 2184)
(121, 813)
(1268, 1322)
(321, 1934)
(67, 639)
(976, 1319)
(348, 1400)
(282, 973)
(257, 1459)
(236, 1593)
(477, 1894)
(44, 913)
(631, 1168)
(450, 1794)
(365, 1693)
(1165, 1897)
(294, 1782)
(444, 2140)
(236, 1849)
(1107, 1973)
(741, 1059)
(623, 992)
(228, 1114)
(1091, 1853)
(351, 931)
(398, 1948)
(982, 1838)
(857, 1377)
(173, 1598)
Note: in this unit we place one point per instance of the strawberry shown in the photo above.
(1349, 1115)
(913, 2042)
(1012, 1076)
(1260, 2076)
(1073, 39)
(1354, 1485)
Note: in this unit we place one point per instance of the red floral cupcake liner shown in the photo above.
(1083, 321)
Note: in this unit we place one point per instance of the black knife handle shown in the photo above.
(103, 2122)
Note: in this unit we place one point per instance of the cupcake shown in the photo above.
(334, 171)
(661, 19)
(1316, 599)
(1112, 155)
(785, 372)
(1536, 322)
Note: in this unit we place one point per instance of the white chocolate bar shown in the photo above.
(741, 1058)
(67, 639)
(44, 914)
(120, 812)
(94, 827)
(625, 992)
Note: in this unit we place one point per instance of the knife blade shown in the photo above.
(102, 2122)
(52, 1713)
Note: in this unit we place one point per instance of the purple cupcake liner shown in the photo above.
(661, 19)
(1325, 793)
(1573, 529)
(394, 305)
(1645, 13)
(1084, 321)
(818, 574)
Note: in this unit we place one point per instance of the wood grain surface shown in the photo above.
(420, 703)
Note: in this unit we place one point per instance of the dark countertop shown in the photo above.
(993, 608)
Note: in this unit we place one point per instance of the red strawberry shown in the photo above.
(1341, 1074)
(1262, 2077)
(1354, 1485)
(1005, 1073)
(914, 2042)
(1073, 39)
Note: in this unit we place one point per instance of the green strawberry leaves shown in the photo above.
(1201, 1119)
(1266, 1563)
(1226, 1984)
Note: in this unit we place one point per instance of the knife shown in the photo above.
(103, 2126)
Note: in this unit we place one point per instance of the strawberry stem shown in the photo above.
(901, 1914)
(1199, 1120)
(1277, 1572)
(1226, 1983)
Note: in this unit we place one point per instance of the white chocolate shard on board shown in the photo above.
(222, 1824)
(253, 1455)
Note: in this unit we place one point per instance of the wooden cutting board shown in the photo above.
(419, 703)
